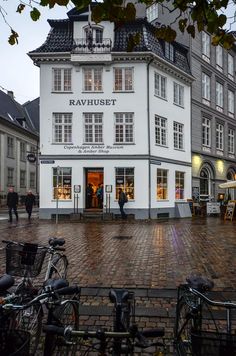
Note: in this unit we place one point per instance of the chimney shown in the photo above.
(11, 94)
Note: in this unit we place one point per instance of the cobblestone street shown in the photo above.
(150, 257)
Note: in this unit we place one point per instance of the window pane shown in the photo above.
(63, 179)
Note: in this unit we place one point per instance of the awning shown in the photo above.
(229, 184)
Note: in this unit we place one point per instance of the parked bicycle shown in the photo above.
(197, 331)
(124, 339)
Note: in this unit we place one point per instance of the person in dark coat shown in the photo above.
(29, 203)
(89, 196)
(122, 199)
(12, 202)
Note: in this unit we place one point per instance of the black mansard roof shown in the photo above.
(60, 39)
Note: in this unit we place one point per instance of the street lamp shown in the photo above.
(58, 171)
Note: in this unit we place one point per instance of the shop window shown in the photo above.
(162, 184)
(125, 181)
(62, 183)
(179, 185)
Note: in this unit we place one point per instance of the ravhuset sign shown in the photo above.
(91, 102)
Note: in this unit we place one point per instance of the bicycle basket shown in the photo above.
(24, 259)
(207, 343)
(14, 342)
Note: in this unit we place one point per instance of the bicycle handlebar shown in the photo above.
(47, 248)
(227, 304)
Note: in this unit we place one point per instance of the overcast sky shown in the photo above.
(17, 71)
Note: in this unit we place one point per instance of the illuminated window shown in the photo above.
(93, 128)
(62, 183)
(62, 127)
(160, 131)
(61, 79)
(179, 185)
(162, 184)
(124, 128)
(92, 79)
(123, 79)
(125, 181)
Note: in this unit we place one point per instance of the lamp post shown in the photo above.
(58, 170)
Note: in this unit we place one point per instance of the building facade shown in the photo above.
(113, 118)
(212, 109)
(18, 138)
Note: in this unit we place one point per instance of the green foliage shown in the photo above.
(192, 16)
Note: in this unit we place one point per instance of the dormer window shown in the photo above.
(94, 33)
(152, 12)
(169, 51)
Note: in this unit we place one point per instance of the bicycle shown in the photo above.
(197, 332)
(25, 260)
(123, 340)
(59, 311)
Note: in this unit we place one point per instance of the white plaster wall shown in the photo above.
(78, 177)
(135, 102)
(172, 112)
(172, 168)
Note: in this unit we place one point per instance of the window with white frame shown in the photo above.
(179, 185)
(160, 131)
(62, 177)
(62, 127)
(219, 58)
(61, 79)
(22, 151)
(231, 141)
(10, 176)
(219, 95)
(93, 128)
(160, 85)
(206, 46)
(178, 136)
(231, 102)
(124, 127)
(94, 33)
(206, 132)
(32, 180)
(10, 147)
(162, 184)
(92, 79)
(169, 51)
(125, 181)
(219, 136)
(123, 79)
(206, 88)
(22, 179)
(178, 94)
(152, 12)
(230, 66)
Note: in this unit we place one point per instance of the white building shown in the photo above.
(112, 117)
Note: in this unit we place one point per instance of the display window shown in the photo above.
(125, 181)
(62, 183)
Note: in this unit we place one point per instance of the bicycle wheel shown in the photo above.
(188, 319)
(63, 315)
(30, 320)
(58, 267)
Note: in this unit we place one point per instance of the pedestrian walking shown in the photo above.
(122, 199)
(29, 203)
(89, 196)
(12, 202)
(99, 194)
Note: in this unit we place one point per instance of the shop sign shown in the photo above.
(66, 181)
(47, 161)
(93, 149)
(31, 157)
(92, 102)
(77, 188)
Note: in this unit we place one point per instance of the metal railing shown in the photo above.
(83, 45)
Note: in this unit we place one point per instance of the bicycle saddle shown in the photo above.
(118, 296)
(6, 282)
(201, 284)
(57, 283)
(53, 241)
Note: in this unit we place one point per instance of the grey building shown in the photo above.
(213, 108)
(19, 136)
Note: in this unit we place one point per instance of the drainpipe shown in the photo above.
(149, 140)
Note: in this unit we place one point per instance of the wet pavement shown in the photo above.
(151, 258)
(139, 254)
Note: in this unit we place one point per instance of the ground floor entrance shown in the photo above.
(94, 188)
